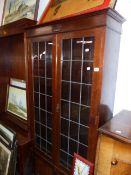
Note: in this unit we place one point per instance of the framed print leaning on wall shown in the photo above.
(5, 156)
(16, 98)
(18, 9)
(58, 9)
(17, 102)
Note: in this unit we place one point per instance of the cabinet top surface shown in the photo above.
(119, 126)
(16, 27)
(102, 18)
(108, 12)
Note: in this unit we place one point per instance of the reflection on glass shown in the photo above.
(42, 68)
(88, 48)
(64, 143)
(76, 83)
(42, 80)
(73, 145)
(74, 112)
(75, 92)
(64, 109)
(42, 51)
(66, 70)
(76, 71)
(66, 49)
(65, 90)
(64, 126)
(77, 49)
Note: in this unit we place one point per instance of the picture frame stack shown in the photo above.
(8, 150)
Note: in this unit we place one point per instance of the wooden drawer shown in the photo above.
(113, 157)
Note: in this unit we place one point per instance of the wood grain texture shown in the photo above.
(110, 150)
(104, 156)
(121, 123)
(13, 64)
(107, 17)
(114, 146)
(20, 25)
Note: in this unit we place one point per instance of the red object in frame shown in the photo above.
(83, 167)
(59, 9)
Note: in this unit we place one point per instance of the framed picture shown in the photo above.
(6, 132)
(16, 102)
(7, 135)
(1, 10)
(81, 166)
(58, 9)
(5, 157)
(18, 9)
(18, 83)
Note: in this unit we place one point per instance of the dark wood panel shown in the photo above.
(42, 167)
(16, 27)
(86, 21)
(45, 166)
(13, 64)
(12, 56)
(16, 57)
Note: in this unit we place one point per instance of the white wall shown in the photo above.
(42, 6)
(123, 89)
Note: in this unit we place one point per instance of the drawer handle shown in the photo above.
(114, 162)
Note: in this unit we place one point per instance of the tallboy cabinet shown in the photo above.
(72, 74)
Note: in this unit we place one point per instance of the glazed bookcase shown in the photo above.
(72, 74)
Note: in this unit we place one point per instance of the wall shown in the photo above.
(42, 5)
(123, 89)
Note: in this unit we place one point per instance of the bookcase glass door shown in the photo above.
(76, 83)
(42, 91)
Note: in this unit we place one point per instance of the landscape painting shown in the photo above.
(17, 102)
(5, 155)
(18, 9)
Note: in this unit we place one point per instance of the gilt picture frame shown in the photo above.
(82, 166)
(5, 157)
(18, 9)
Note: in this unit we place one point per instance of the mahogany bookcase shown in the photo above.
(72, 70)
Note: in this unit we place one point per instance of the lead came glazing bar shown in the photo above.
(76, 83)
(42, 78)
